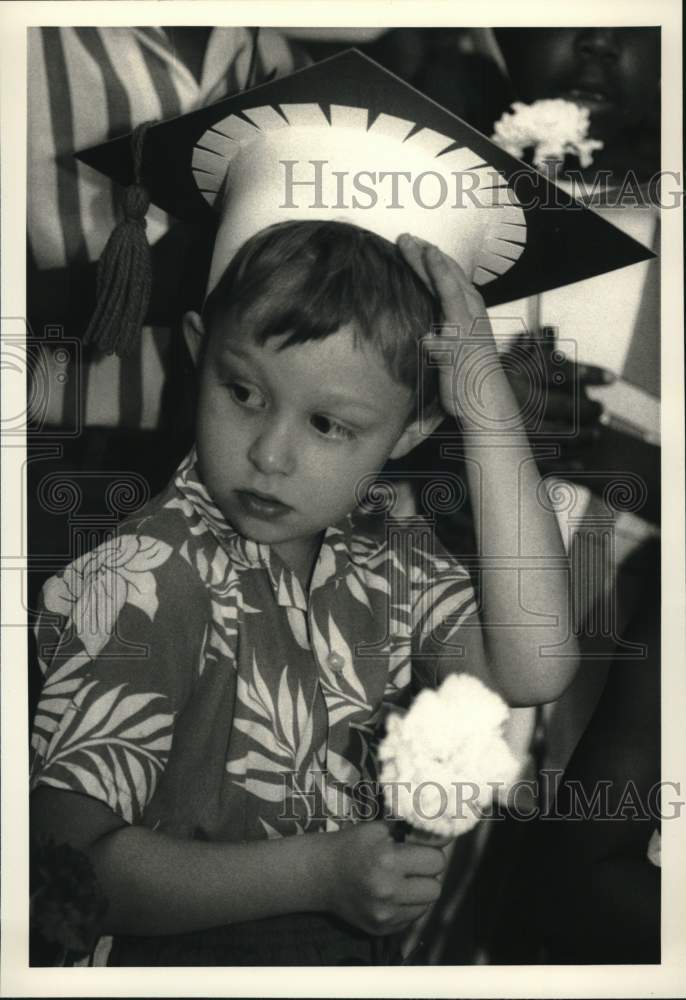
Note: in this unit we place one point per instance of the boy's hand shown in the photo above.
(377, 884)
(421, 837)
(464, 314)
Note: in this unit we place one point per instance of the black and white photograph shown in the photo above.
(343, 511)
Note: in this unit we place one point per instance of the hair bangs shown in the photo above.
(303, 281)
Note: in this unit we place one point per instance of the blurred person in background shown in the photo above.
(606, 903)
(614, 322)
(614, 72)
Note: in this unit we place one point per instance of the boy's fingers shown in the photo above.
(450, 286)
(418, 891)
(471, 293)
(461, 303)
(425, 839)
(434, 263)
(413, 252)
(417, 859)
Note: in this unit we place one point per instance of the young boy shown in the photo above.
(215, 676)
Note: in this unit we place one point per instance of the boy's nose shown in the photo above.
(272, 451)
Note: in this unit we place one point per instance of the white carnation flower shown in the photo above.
(551, 127)
(445, 760)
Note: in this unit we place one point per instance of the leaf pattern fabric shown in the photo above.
(93, 590)
(192, 686)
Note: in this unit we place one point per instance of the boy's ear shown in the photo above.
(417, 431)
(193, 334)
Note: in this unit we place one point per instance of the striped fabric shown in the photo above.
(87, 85)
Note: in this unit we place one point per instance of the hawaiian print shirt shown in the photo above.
(193, 686)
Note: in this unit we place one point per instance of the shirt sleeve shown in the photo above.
(119, 639)
(446, 629)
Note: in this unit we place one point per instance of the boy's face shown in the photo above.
(285, 436)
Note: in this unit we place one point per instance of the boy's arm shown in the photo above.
(524, 571)
(156, 884)
(524, 610)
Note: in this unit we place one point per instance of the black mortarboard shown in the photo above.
(254, 157)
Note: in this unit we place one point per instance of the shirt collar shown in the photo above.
(346, 542)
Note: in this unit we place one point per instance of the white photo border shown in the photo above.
(18, 980)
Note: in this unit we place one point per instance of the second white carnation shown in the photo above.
(552, 128)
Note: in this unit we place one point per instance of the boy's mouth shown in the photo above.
(261, 505)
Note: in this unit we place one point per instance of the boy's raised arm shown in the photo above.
(524, 570)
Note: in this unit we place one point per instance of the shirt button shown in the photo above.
(335, 661)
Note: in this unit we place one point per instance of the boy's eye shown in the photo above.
(246, 395)
(331, 428)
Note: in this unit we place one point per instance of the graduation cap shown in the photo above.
(346, 140)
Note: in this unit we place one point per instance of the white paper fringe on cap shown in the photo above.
(255, 171)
